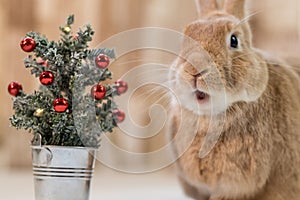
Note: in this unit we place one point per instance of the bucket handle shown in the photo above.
(37, 144)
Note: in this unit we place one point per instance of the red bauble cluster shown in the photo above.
(28, 44)
(14, 88)
(46, 78)
(121, 87)
(118, 115)
(60, 105)
(98, 91)
(102, 61)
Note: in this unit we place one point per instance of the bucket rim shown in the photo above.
(63, 147)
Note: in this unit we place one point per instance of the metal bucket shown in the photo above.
(62, 173)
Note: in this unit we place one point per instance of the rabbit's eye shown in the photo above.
(234, 43)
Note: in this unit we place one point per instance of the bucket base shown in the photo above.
(62, 189)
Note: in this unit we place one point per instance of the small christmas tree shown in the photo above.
(62, 112)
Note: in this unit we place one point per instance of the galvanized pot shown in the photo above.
(62, 173)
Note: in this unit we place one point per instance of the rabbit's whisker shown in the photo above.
(248, 17)
(242, 55)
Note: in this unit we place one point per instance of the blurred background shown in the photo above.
(276, 29)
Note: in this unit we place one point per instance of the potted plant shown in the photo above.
(69, 112)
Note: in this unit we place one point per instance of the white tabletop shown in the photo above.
(106, 184)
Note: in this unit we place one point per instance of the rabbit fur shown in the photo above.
(257, 155)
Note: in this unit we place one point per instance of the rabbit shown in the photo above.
(249, 97)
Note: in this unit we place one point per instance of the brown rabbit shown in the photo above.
(252, 100)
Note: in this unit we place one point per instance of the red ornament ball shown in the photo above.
(28, 44)
(60, 105)
(75, 37)
(14, 88)
(102, 61)
(46, 78)
(121, 86)
(98, 91)
(42, 62)
(119, 116)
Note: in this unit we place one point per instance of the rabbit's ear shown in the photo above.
(236, 8)
(204, 7)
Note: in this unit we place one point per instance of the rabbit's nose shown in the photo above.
(202, 73)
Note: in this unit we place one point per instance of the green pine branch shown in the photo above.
(75, 72)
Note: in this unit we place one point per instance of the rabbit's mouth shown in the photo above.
(202, 97)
